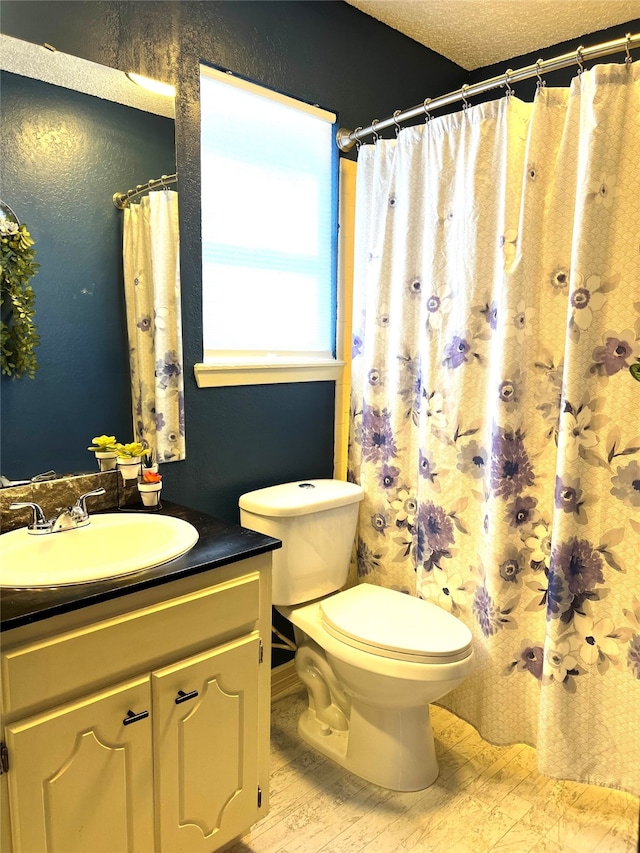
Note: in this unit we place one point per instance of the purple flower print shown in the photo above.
(374, 376)
(511, 471)
(434, 533)
(509, 570)
(438, 305)
(586, 298)
(531, 659)
(367, 561)
(144, 323)
(508, 392)
(613, 356)
(378, 444)
(437, 526)
(168, 369)
(558, 596)
(486, 612)
(490, 313)
(521, 511)
(356, 346)
(379, 522)
(424, 468)
(633, 655)
(388, 476)
(568, 495)
(433, 304)
(473, 460)
(455, 353)
(627, 484)
(580, 564)
(560, 279)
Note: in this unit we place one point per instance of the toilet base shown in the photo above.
(391, 748)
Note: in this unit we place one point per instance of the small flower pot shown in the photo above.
(129, 467)
(106, 460)
(150, 493)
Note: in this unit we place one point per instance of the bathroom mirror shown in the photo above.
(73, 134)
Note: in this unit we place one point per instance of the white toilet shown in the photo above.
(372, 658)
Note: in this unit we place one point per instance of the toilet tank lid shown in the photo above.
(301, 497)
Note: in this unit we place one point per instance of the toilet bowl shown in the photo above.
(383, 682)
(371, 658)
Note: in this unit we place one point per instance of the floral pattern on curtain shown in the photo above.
(495, 423)
(152, 291)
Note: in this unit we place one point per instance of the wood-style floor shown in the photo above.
(486, 799)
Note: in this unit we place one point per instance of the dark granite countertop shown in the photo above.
(219, 544)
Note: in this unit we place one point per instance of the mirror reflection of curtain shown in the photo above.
(495, 422)
(152, 293)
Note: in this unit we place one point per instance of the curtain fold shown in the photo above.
(154, 325)
(495, 422)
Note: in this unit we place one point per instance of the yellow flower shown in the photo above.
(134, 448)
(103, 443)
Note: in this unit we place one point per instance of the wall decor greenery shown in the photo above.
(18, 331)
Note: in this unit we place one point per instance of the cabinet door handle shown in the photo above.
(183, 697)
(133, 718)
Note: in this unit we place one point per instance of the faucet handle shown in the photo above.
(80, 508)
(38, 523)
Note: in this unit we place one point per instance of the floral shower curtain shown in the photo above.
(152, 292)
(495, 420)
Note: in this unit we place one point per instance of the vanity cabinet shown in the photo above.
(147, 728)
(79, 780)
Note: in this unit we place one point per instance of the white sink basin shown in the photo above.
(112, 545)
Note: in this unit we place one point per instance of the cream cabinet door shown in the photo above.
(206, 746)
(80, 776)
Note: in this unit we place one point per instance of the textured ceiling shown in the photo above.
(477, 33)
(71, 72)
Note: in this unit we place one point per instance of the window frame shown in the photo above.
(245, 367)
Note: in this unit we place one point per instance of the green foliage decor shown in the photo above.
(18, 331)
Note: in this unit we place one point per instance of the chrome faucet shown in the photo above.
(69, 519)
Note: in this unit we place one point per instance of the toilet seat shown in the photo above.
(393, 625)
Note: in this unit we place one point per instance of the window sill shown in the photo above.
(220, 374)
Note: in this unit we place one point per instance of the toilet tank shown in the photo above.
(316, 522)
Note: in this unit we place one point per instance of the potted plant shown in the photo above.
(18, 330)
(104, 447)
(149, 461)
(150, 486)
(129, 458)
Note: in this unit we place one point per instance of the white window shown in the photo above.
(269, 235)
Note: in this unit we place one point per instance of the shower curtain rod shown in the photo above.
(346, 139)
(121, 200)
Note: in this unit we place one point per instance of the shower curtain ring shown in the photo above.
(627, 57)
(357, 140)
(507, 75)
(425, 107)
(395, 121)
(579, 60)
(463, 93)
(376, 136)
(541, 83)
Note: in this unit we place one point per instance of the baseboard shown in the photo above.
(284, 679)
